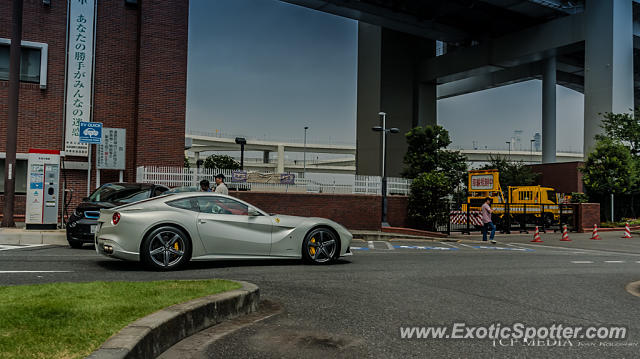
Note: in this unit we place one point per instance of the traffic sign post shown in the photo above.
(90, 133)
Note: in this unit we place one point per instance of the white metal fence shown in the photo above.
(270, 182)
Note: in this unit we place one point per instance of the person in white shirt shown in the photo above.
(220, 186)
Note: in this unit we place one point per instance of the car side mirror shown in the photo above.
(253, 212)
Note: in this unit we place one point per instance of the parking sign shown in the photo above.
(91, 132)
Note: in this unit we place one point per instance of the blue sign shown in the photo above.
(91, 132)
(239, 176)
(287, 178)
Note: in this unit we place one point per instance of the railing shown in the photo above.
(270, 182)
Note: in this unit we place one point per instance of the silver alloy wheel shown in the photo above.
(321, 245)
(166, 249)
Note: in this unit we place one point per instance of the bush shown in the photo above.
(428, 205)
(221, 162)
(579, 197)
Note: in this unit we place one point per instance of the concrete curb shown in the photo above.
(148, 337)
(23, 236)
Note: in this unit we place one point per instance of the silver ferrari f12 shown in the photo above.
(167, 231)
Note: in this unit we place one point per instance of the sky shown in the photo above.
(265, 69)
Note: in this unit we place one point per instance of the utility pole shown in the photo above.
(384, 131)
(12, 123)
(304, 156)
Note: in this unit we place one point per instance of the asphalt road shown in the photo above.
(356, 308)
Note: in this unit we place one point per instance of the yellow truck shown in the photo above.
(532, 204)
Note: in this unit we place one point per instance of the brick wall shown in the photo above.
(588, 215)
(564, 177)
(140, 82)
(352, 211)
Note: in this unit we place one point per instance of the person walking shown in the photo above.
(220, 186)
(204, 186)
(486, 220)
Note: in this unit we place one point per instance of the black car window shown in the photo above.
(221, 205)
(185, 203)
(159, 190)
(122, 193)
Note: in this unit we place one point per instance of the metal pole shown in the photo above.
(89, 171)
(12, 121)
(304, 155)
(384, 175)
(242, 156)
(612, 208)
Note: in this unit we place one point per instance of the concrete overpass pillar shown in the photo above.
(280, 167)
(265, 156)
(549, 110)
(608, 80)
(388, 81)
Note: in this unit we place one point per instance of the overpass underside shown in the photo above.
(585, 45)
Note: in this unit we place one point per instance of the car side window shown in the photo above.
(185, 203)
(159, 190)
(221, 205)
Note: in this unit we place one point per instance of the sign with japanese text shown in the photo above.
(110, 155)
(80, 46)
(481, 182)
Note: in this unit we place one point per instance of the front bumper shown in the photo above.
(79, 230)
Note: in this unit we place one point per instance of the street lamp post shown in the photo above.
(531, 150)
(241, 141)
(304, 155)
(385, 131)
(509, 143)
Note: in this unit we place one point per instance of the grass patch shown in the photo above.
(71, 320)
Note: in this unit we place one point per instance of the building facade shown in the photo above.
(139, 84)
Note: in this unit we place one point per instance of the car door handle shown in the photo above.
(202, 221)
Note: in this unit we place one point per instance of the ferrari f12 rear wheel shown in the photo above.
(166, 248)
(320, 246)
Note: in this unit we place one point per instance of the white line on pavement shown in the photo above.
(583, 250)
(581, 262)
(34, 271)
(614, 261)
(467, 245)
(513, 245)
(390, 246)
(371, 246)
(6, 247)
(447, 244)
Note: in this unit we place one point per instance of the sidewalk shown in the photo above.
(23, 236)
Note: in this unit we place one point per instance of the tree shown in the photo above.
(609, 169)
(623, 127)
(428, 206)
(512, 173)
(427, 152)
(221, 162)
(187, 164)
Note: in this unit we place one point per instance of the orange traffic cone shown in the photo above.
(595, 234)
(627, 231)
(536, 236)
(565, 234)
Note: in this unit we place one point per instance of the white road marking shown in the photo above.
(581, 262)
(371, 246)
(6, 247)
(35, 271)
(447, 244)
(584, 250)
(390, 246)
(513, 245)
(462, 244)
(614, 261)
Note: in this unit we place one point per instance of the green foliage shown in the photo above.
(609, 169)
(623, 127)
(187, 164)
(427, 152)
(427, 204)
(512, 173)
(221, 162)
(579, 197)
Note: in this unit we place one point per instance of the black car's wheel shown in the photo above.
(166, 248)
(320, 246)
(75, 244)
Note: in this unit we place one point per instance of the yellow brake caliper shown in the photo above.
(176, 246)
(312, 250)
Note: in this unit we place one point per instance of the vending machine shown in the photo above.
(43, 179)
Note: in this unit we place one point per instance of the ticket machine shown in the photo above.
(43, 179)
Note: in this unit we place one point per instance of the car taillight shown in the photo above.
(116, 218)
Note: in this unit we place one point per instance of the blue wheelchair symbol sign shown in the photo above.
(91, 132)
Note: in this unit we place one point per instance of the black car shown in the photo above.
(81, 225)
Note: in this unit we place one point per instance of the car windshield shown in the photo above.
(120, 193)
(184, 189)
